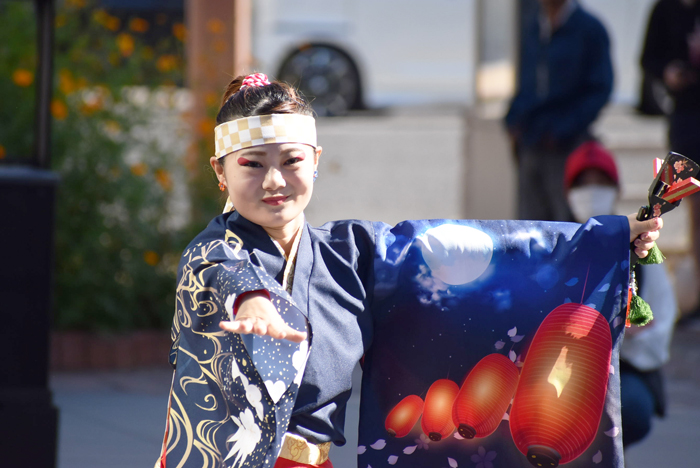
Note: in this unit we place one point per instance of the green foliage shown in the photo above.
(118, 140)
(17, 80)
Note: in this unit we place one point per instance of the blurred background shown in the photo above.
(106, 120)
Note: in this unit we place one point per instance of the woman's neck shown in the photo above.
(286, 234)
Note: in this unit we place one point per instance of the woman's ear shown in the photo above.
(317, 156)
(218, 167)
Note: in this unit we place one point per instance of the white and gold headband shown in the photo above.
(262, 130)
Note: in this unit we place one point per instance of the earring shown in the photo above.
(315, 175)
(222, 186)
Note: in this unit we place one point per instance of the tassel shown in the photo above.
(640, 312)
(653, 257)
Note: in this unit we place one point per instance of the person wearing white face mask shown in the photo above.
(591, 184)
(591, 181)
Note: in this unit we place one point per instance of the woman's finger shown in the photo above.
(638, 228)
(294, 335)
(230, 326)
(260, 327)
(641, 253)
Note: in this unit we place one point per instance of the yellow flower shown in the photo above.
(23, 77)
(180, 32)
(91, 106)
(139, 169)
(163, 178)
(112, 23)
(215, 26)
(59, 110)
(151, 257)
(138, 25)
(166, 63)
(112, 127)
(3, 152)
(125, 43)
(66, 84)
(60, 20)
(100, 16)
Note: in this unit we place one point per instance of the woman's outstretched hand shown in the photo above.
(257, 315)
(643, 234)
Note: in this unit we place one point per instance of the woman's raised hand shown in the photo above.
(257, 315)
(643, 234)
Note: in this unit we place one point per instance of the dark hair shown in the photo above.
(275, 98)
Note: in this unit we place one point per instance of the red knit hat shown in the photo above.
(589, 155)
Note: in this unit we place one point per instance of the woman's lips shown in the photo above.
(274, 201)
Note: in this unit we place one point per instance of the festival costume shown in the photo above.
(426, 304)
(420, 300)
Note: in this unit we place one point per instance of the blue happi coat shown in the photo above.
(423, 301)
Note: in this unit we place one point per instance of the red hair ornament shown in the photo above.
(256, 80)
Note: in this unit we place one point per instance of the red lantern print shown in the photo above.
(484, 397)
(437, 412)
(404, 416)
(559, 401)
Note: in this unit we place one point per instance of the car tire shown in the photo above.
(326, 76)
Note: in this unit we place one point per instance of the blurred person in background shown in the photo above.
(671, 54)
(592, 187)
(565, 79)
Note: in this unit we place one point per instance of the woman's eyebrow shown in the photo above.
(291, 150)
(253, 153)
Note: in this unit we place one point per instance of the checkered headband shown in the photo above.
(262, 130)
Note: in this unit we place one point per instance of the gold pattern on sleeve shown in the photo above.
(235, 241)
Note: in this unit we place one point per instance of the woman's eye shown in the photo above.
(248, 163)
(292, 161)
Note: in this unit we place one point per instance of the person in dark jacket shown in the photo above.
(565, 79)
(671, 55)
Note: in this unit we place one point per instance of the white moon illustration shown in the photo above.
(456, 254)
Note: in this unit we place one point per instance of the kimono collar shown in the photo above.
(288, 276)
(265, 249)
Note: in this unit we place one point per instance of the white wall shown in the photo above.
(626, 22)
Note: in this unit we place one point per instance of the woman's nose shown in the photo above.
(273, 180)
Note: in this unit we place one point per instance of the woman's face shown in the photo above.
(270, 185)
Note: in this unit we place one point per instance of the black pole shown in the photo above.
(45, 22)
(28, 417)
